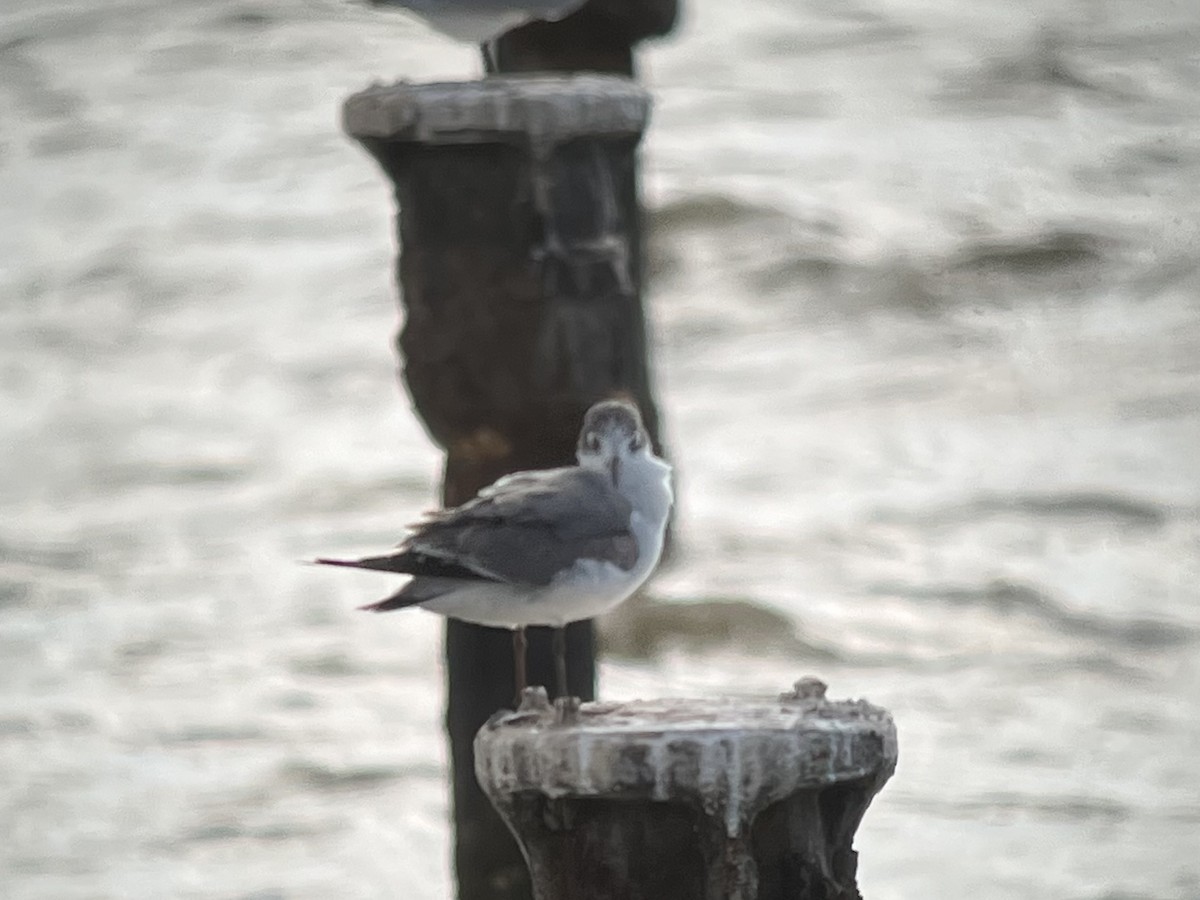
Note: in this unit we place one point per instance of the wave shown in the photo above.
(1051, 249)
(326, 779)
(1090, 505)
(47, 555)
(229, 831)
(707, 210)
(787, 256)
(1032, 79)
(1069, 807)
(643, 627)
(14, 593)
(1097, 506)
(218, 734)
(1014, 598)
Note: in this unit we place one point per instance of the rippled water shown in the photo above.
(924, 299)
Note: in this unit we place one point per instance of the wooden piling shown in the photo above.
(520, 274)
(689, 800)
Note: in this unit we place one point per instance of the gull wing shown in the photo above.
(523, 529)
(527, 527)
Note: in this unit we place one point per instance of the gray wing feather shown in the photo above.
(528, 527)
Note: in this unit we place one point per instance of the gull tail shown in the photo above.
(416, 592)
(431, 577)
(391, 563)
(398, 600)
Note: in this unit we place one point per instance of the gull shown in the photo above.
(480, 21)
(546, 547)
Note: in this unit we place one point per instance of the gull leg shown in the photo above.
(560, 661)
(519, 648)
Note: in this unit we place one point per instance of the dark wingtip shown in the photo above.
(324, 561)
(386, 604)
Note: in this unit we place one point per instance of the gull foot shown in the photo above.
(566, 710)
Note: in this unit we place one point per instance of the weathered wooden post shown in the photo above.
(689, 800)
(520, 274)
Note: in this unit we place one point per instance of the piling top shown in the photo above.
(731, 756)
(539, 108)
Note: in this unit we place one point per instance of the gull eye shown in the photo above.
(636, 443)
(591, 442)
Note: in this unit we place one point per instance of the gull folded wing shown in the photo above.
(527, 528)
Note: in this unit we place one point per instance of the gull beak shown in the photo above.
(615, 468)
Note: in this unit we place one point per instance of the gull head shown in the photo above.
(612, 431)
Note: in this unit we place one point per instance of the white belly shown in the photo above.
(583, 592)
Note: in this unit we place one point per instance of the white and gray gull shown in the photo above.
(545, 547)
(480, 21)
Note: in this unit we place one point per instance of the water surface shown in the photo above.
(926, 338)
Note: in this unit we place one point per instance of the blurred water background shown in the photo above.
(924, 307)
